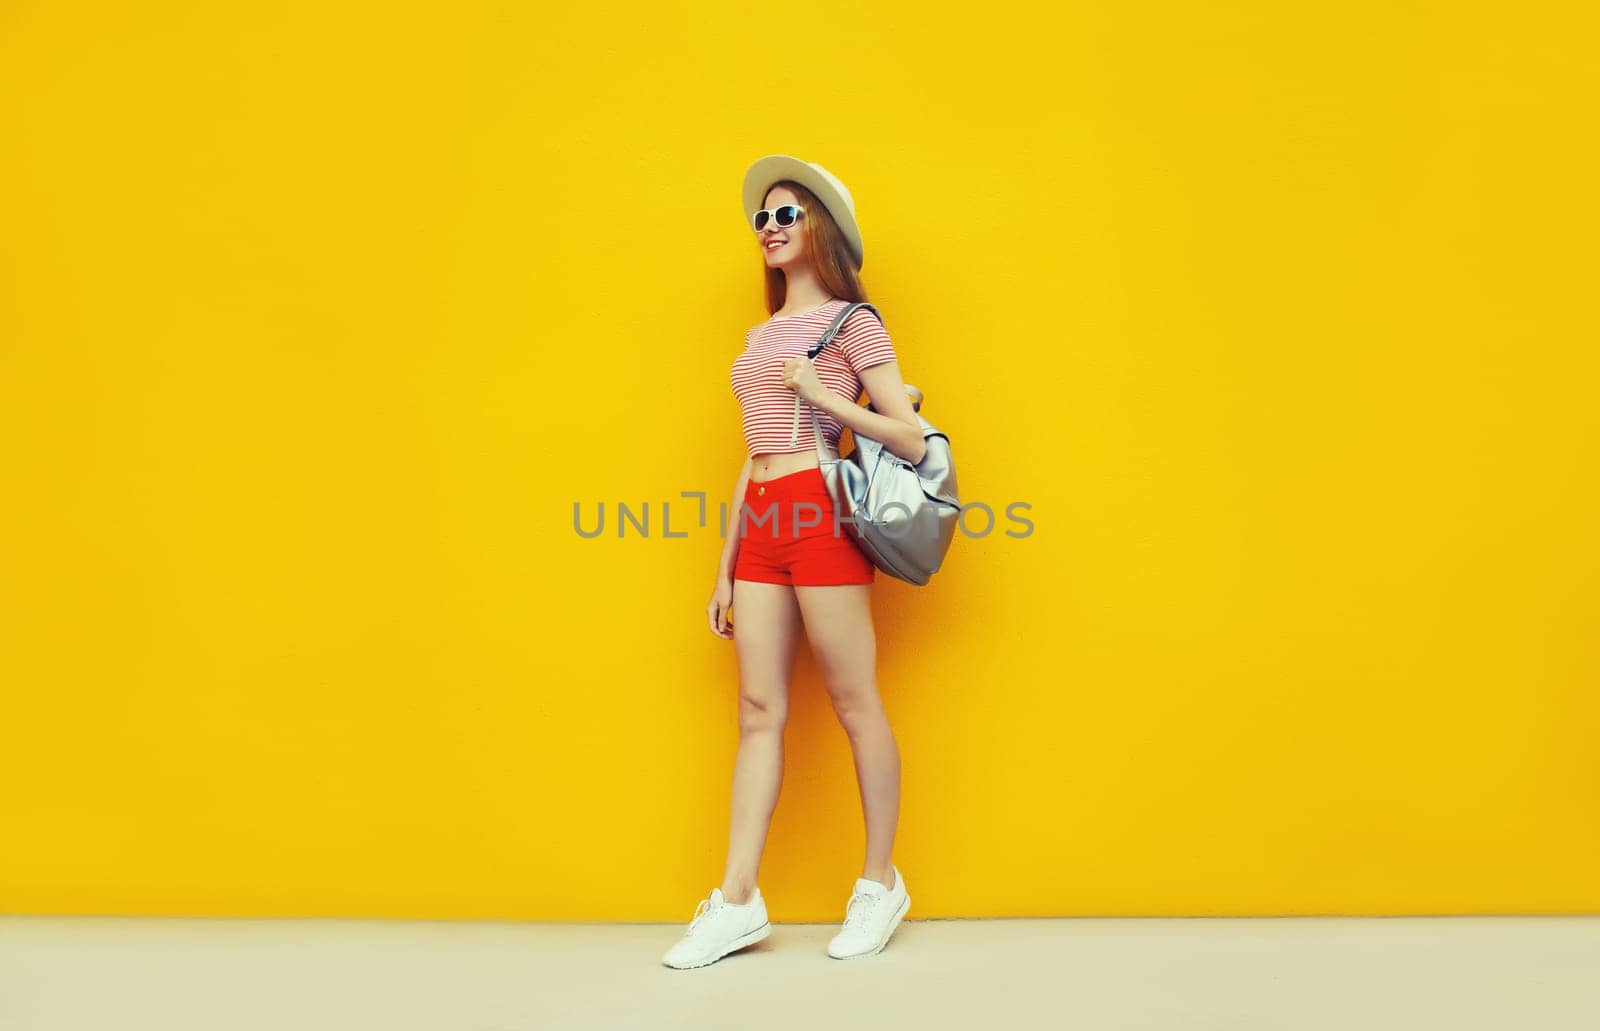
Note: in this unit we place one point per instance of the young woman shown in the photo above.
(788, 565)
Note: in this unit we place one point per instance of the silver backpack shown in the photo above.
(903, 516)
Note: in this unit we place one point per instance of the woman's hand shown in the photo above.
(800, 376)
(717, 610)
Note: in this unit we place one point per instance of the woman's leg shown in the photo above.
(838, 623)
(766, 629)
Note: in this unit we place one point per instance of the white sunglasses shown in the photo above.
(784, 216)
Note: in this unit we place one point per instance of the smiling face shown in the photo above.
(791, 241)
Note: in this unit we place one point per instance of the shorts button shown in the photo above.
(761, 490)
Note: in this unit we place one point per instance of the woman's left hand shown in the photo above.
(800, 376)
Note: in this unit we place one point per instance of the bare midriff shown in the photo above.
(769, 465)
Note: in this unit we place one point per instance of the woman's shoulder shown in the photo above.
(829, 307)
(814, 319)
(862, 322)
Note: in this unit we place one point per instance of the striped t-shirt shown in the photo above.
(770, 408)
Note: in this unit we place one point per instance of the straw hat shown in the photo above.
(833, 194)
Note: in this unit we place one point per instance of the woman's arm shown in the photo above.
(730, 547)
(895, 421)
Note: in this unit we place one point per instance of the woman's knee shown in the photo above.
(857, 704)
(760, 711)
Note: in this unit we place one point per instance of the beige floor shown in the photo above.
(1412, 973)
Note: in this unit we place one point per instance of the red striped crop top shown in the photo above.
(769, 406)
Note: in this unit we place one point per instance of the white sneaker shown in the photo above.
(871, 917)
(718, 928)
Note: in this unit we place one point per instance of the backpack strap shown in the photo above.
(838, 323)
(811, 353)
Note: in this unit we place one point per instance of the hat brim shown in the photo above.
(760, 176)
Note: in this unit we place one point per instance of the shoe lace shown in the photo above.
(705, 909)
(859, 909)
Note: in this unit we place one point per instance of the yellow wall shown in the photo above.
(315, 323)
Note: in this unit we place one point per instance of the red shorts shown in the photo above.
(787, 535)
